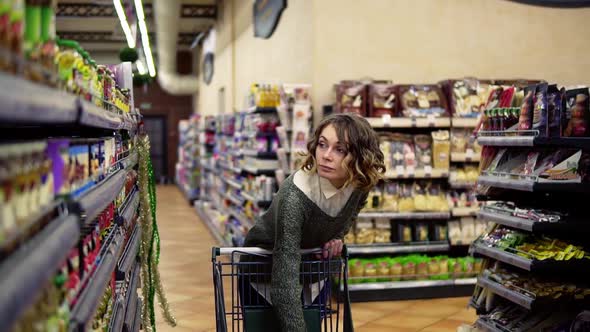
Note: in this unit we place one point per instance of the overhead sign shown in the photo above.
(267, 14)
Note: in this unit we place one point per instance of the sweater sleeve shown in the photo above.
(285, 288)
(360, 206)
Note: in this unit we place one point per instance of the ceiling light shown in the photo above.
(124, 24)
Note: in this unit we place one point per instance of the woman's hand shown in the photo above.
(331, 249)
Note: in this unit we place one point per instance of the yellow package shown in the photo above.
(441, 148)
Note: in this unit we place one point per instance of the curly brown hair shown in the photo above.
(364, 163)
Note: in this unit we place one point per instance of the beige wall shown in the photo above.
(408, 41)
(242, 59)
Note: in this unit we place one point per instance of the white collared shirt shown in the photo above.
(320, 191)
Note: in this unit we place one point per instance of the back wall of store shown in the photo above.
(419, 41)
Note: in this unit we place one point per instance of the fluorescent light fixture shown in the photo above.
(140, 67)
(124, 24)
(139, 10)
(145, 39)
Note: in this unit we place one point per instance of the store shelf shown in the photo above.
(262, 110)
(257, 171)
(464, 122)
(129, 210)
(486, 326)
(234, 184)
(393, 122)
(464, 211)
(533, 265)
(117, 317)
(85, 308)
(25, 273)
(406, 215)
(395, 248)
(242, 218)
(408, 173)
(129, 256)
(235, 201)
(508, 294)
(465, 157)
(259, 155)
(12, 240)
(572, 226)
(130, 161)
(462, 185)
(565, 142)
(137, 321)
(94, 116)
(209, 223)
(260, 203)
(26, 102)
(132, 296)
(97, 198)
(526, 184)
(405, 290)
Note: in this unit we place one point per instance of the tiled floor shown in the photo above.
(185, 267)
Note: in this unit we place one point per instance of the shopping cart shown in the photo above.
(245, 274)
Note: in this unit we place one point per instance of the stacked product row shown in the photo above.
(537, 255)
(68, 233)
(188, 169)
(253, 152)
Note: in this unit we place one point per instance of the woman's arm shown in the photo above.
(285, 288)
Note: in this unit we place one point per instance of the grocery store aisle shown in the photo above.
(186, 275)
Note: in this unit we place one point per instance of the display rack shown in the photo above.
(32, 257)
(525, 189)
(187, 168)
(396, 290)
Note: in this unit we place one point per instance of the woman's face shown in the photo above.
(330, 154)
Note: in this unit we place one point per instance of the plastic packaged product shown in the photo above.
(423, 150)
(409, 153)
(395, 270)
(356, 270)
(440, 232)
(459, 140)
(390, 197)
(383, 270)
(421, 232)
(577, 112)
(456, 268)
(382, 100)
(370, 272)
(507, 97)
(540, 114)
(409, 269)
(351, 97)
(382, 231)
(554, 110)
(422, 101)
(441, 149)
(444, 267)
(567, 170)
(421, 268)
(365, 234)
(434, 268)
(405, 232)
(526, 110)
(468, 97)
(420, 203)
(406, 199)
(530, 163)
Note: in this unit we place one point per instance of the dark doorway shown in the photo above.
(155, 127)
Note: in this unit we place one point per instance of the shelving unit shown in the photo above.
(524, 190)
(406, 173)
(393, 248)
(32, 257)
(406, 290)
(406, 215)
(392, 122)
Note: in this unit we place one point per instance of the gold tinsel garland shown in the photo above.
(150, 242)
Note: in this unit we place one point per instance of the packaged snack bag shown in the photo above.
(382, 100)
(441, 148)
(540, 114)
(575, 121)
(554, 110)
(526, 110)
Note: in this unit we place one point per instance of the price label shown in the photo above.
(428, 171)
(410, 170)
(386, 118)
(469, 154)
(399, 171)
(414, 123)
(431, 120)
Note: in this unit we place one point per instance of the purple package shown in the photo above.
(554, 97)
(58, 152)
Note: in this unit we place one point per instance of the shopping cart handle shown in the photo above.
(218, 251)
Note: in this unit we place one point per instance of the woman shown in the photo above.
(316, 206)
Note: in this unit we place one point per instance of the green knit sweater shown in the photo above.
(295, 222)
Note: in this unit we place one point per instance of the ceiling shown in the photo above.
(94, 23)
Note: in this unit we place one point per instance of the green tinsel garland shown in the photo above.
(150, 241)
